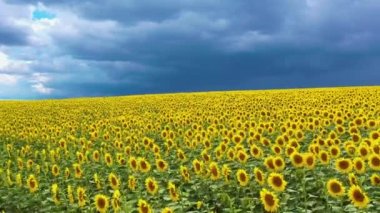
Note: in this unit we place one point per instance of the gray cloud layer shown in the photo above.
(126, 47)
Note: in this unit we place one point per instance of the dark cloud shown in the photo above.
(170, 46)
(11, 35)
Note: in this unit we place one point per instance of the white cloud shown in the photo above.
(39, 87)
(38, 81)
(6, 79)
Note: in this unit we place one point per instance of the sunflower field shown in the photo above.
(300, 150)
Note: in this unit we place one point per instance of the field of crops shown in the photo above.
(310, 150)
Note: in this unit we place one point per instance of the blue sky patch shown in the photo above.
(42, 14)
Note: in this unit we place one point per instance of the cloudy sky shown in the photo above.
(57, 49)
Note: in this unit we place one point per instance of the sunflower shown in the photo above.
(269, 200)
(133, 164)
(289, 150)
(255, 151)
(259, 176)
(132, 182)
(297, 160)
(242, 156)
(55, 170)
(226, 171)
(70, 194)
(335, 188)
(352, 179)
(78, 170)
(214, 171)
(161, 165)
(113, 181)
(174, 196)
(32, 183)
(375, 180)
(197, 166)
(18, 179)
(151, 185)
(55, 194)
(358, 197)
(231, 154)
(108, 159)
(276, 149)
(67, 173)
(101, 203)
(116, 202)
(277, 182)
(269, 164)
(242, 177)
(144, 165)
(143, 206)
(81, 195)
(359, 165)
(334, 151)
(95, 156)
(374, 162)
(324, 157)
(343, 165)
(167, 210)
(279, 163)
(309, 160)
(185, 173)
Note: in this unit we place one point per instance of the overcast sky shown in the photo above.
(55, 49)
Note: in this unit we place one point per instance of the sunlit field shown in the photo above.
(307, 150)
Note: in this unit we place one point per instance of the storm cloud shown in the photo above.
(103, 48)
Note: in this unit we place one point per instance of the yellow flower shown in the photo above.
(167, 210)
(161, 165)
(81, 194)
(279, 163)
(199, 204)
(55, 194)
(132, 182)
(269, 200)
(259, 176)
(70, 194)
(226, 171)
(116, 202)
(18, 180)
(297, 159)
(309, 160)
(143, 206)
(174, 196)
(335, 188)
(358, 197)
(359, 165)
(151, 185)
(32, 183)
(324, 157)
(108, 159)
(113, 181)
(375, 179)
(197, 166)
(242, 177)
(214, 171)
(55, 170)
(133, 164)
(144, 165)
(242, 156)
(343, 165)
(374, 162)
(185, 173)
(78, 170)
(352, 179)
(101, 203)
(277, 182)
